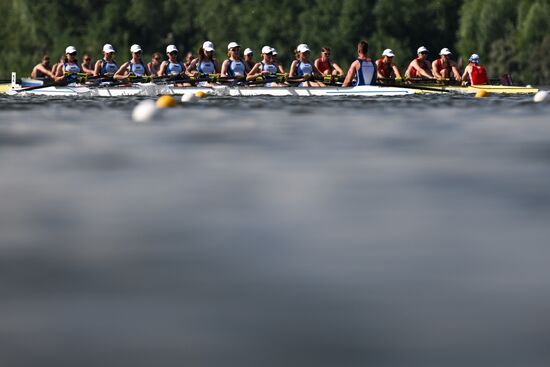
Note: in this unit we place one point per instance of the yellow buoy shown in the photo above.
(482, 93)
(200, 94)
(166, 102)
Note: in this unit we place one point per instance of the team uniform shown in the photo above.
(366, 75)
(174, 68)
(386, 69)
(425, 65)
(478, 75)
(71, 72)
(236, 68)
(108, 67)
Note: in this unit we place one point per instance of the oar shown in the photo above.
(404, 86)
(12, 92)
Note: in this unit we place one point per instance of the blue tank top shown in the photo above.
(366, 75)
(108, 67)
(173, 68)
(304, 68)
(272, 69)
(206, 67)
(236, 68)
(71, 71)
(137, 69)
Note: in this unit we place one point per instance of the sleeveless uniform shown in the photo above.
(174, 68)
(304, 68)
(366, 75)
(324, 66)
(478, 75)
(425, 66)
(206, 67)
(236, 68)
(439, 67)
(386, 69)
(271, 68)
(108, 67)
(71, 71)
(137, 69)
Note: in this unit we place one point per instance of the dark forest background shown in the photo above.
(510, 36)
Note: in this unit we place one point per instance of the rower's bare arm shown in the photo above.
(292, 71)
(122, 72)
(281, 68)
(216, 67)
(316, 72)
(456, 73)
(435, 72)
(224, 68)
(97, 68)
(338, 69)
(162, 69)
(60, 75)
(255, 72)
(351, 74)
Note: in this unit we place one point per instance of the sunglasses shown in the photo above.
(72, 53)
(46, 60)
(137, 53)
(423, 53)
(326, 53)
(87, 59)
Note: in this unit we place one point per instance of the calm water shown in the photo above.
(275, 232)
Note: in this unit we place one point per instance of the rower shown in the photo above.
(154, 65)
(86, 65)
(420, 67)
(70, 69)
(265, 69)
(474, 73)
(43, 70)
(326, 66)
(304, 68)
(134, 66)
(445, 68)
(362, 70)
(249, 59)
(188, 59)
(58, 65)
(205, 64)
(276, 61)
(107, 66)
(171, 67)
(386, 70)
(234, 66)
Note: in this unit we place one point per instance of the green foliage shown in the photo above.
(511, 36)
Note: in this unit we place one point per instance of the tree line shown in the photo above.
(510, 36)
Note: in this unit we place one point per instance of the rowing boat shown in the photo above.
(496, 89)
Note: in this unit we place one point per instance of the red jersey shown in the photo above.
(478, 75)
(324, 65)
(386, 69)
(424, 65)
(439, 66)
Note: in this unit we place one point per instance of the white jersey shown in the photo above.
(206, 67)
(303, 68)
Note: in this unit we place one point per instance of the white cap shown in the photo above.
(248, 51)
(208, 46)
(70, 50)
(267, 50)
(474, 58)
(135, 48)
(171, 48)
(274, 51)
(445, 51)
(388, 52)
(302, 48)
(421, 49)
(232, 45)
(108, 48)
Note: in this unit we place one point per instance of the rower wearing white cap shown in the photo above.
(420, 67)
(276, 61)
(171, 67)
(474, 73)
(133, 67)
(234, 66)
(205, 64)
(107, 66)
(362, 71)
(303, 67)
(70, 68)
(265, 69)
(249, 59)
(385, 68)
(445, 68)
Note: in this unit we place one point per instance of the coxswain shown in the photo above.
(43, 70)
(171, 67)
(420, 67)
(134, 67)
(234, 66)
(265, 69)
(362, 70)
(70, 69)
(304, 68)
(445, 68)
(277, 62)
(326, 66)
(386, 70)
(474, 73)
(205, 63)
(86, 65)
(107, 66)
(154, 64)
(249, 59)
